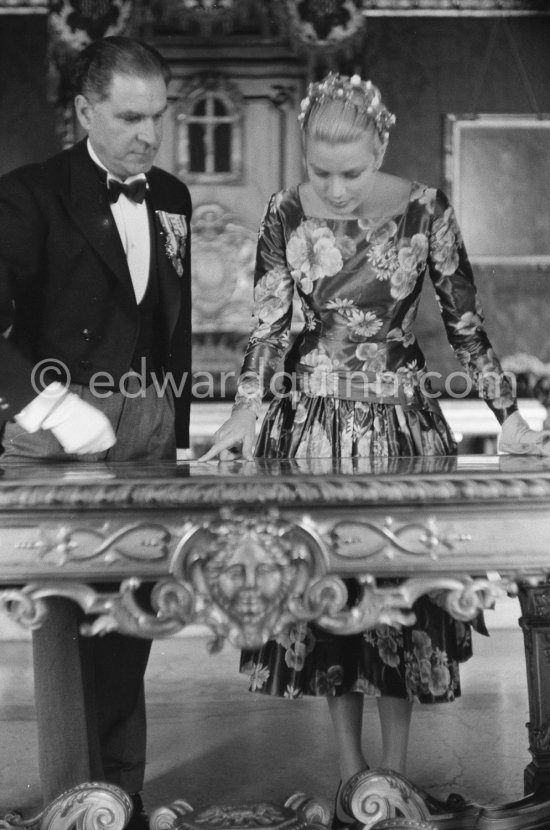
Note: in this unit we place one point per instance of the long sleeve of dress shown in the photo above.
(453, 279)
(272, 312)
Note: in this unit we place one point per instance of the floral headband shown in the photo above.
(363, 96)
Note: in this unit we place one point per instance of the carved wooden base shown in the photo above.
(378, 799)
(384, 800)
(297, 813)
(90, 806)
(95, 806)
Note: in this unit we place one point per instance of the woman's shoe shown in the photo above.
(455, 803)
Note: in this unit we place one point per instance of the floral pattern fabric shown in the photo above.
(419, 663)
(359, 283)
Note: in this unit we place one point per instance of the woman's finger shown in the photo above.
(216, 448)
(229, 455)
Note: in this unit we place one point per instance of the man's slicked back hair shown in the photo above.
(97, 64)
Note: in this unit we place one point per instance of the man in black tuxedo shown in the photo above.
(95, 365)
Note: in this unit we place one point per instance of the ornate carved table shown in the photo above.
(247, 548)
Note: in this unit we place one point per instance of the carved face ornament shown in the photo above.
(252, 579)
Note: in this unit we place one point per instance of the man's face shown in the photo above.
(125, 128)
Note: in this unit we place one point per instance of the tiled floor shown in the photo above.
(210, 740)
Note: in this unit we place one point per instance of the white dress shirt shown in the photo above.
(132, 221)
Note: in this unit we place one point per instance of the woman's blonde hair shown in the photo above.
(342, 109)
(334, 122)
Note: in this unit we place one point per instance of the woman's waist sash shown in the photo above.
(408, 390)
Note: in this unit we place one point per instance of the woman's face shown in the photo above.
(342, 174)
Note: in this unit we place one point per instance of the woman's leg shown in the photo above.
(395, 719)
(346, 712)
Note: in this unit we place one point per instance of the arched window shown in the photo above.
(209, 124)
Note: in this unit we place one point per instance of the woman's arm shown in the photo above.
(453, 279)
(268, 342)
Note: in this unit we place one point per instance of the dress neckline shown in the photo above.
(371, 223)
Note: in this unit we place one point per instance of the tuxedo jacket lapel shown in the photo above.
(89, 207)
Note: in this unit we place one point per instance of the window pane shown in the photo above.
(200, 107)
(196, 148)
(222, 148)
(219, 107)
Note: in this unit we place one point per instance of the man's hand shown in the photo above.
(518, 438)
(184, 454)
(239, 431)
(79, 427)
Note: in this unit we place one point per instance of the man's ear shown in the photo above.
(83, 110)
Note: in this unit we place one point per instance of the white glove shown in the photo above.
(184, 454)
(79, 427)
(517, 437)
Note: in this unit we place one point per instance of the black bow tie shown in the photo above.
(135, 191)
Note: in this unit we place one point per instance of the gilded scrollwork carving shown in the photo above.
(470, 596)
(297, 813)
(247, 576)
(22, 608)
(114, 611)
(137, 542)
(316, 812)
(165, 818)
(368, 539)
(89, 806)
(253, 574)
(462, 597)
(373, 796)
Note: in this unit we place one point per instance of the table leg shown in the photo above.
(535, 623)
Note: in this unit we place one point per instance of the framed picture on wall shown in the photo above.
(497, 170)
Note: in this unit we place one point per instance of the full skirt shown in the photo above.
(418, 662)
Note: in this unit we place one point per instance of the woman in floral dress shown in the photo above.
(357, 245)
